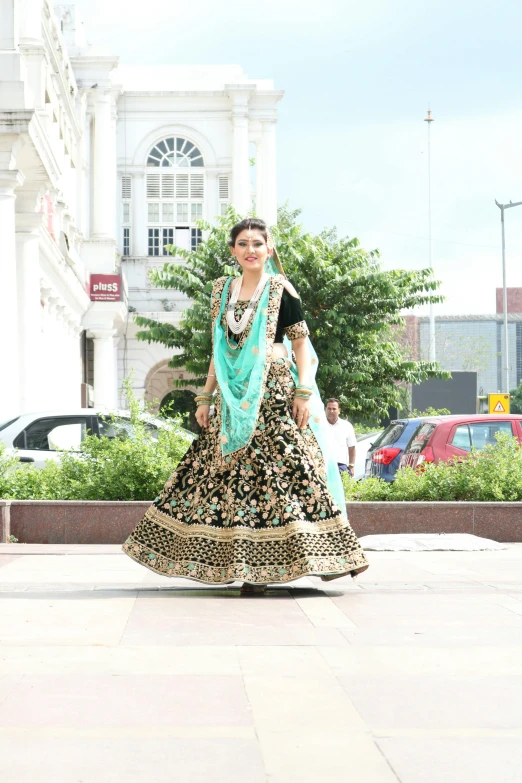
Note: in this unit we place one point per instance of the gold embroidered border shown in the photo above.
(331, 567)
(283, 533)
(295, 331)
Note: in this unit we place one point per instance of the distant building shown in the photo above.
(100, 168)
(473, 342)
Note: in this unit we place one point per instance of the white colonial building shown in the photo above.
(100, 167)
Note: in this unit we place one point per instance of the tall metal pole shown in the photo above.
(504, 303)
(502, 207)
(432, 347)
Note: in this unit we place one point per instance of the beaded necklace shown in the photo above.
(237, 327)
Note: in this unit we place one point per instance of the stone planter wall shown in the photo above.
(74, 521)
(499, 521)
(110, 522)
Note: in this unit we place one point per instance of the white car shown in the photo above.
(364, 444)
(38, 437)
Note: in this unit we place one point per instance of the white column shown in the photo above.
(240, 164)
(260, 203)
(111, 180)
(31, 22)
(12, 63)
(63, 365)
(9, 24)
(105, 369)
(269, 187)
(72, 343)
(104, 164)
(9, 348)
(139, 224)
(45, 336)
(33, 50)
(81, 167)
(54, 364)
(30, 310)
(89, 171)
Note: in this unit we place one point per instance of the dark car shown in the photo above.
(383, 458)
(442, 438)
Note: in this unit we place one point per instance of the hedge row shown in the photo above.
(492, 474)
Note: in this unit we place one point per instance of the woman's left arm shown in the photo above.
(301, 407)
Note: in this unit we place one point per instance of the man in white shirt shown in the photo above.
(342, 438)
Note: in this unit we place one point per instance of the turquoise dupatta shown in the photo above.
(240, 373)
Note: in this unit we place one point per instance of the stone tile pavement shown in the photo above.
(111, 674)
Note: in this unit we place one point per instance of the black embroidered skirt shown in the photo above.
(263, 514)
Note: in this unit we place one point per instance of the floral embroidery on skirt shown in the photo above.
(263, 514)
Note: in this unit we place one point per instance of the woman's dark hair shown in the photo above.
(248, 224)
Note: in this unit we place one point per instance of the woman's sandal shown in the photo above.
(248, 588)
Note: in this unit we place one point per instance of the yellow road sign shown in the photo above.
(498, 403)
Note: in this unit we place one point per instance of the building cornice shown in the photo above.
(95, 62)
(176, 94)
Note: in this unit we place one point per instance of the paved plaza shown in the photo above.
(111, 674)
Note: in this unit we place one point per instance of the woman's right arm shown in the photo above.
(202, 411)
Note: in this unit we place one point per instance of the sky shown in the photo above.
(352, 145)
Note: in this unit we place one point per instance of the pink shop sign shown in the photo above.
(105, 288)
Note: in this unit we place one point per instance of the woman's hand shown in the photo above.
(202, 415)
(301, 412)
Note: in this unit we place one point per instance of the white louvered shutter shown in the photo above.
(182, 186)
(223, 187)
(126, 187)
(153, 185)
(197, 186)
(167, 186)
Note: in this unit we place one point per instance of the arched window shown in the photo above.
(175, 196)
(175, 151)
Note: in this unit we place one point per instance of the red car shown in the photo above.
(440, 438)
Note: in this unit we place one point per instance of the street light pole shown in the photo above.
(432, 347)
(502, 207)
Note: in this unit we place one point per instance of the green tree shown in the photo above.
(516, 399)
(351, 307)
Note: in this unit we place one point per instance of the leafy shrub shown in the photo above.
(490, 475)
(365, 429)
(367, 489)
(8, 463)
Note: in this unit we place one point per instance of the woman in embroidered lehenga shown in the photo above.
(256, 498)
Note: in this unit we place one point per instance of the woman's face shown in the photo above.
(251, 250)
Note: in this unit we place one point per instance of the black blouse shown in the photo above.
(290, 320)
